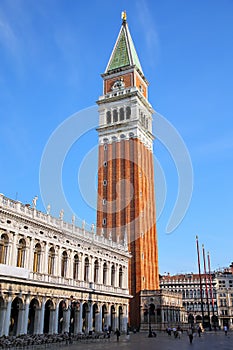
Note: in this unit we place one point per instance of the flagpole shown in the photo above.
(206, 286)
(210, 279)
(199, 270)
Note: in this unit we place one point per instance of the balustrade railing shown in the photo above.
(84, 229)
(75, 283)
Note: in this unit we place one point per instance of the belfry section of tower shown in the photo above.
(126, 201)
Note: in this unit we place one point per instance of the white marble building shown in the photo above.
(56, 277)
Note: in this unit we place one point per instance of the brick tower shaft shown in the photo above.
(126, 202)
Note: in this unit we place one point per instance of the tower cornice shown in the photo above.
(116, 72)
(119, 97)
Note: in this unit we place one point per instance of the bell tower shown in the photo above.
(126, 203)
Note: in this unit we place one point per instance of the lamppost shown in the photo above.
(149, 321)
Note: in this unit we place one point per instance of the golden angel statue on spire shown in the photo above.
(123, 16)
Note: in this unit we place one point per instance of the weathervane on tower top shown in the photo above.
(123, 16)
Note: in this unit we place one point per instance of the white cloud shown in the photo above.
(7, 35)
(150, 32)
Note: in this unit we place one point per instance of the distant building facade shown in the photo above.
(56, 277)
(224, 287)
(219, 310)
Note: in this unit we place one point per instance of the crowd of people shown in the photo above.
(191, 331)
(26, 340)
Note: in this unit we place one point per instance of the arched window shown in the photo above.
(21, 253)
(51, 261)
(86, 270)
(109, 117)
(128, 112)
(64, 262)
(96, 271)
(37, 257)
(3, 248)
(76, 267)
(105, 270)
(122, 114)
(113, 274)
(115, 116)
(120, 277)
(152, 312)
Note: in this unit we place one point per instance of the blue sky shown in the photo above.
(51, 57)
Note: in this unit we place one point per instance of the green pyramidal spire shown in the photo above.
(124, 53)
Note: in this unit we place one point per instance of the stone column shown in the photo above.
(125, 318)
(81, 268)
(58, 262)
(125, 277)
(31, 255)
(41, 317)
(100, 317)
(108, 316)
(26, 255)
(52, 317)
(100, 273)
(7, 316)
(162, 316)
(90, 315)
(117, 276)
(70, 266)
(36, 320)
(24, 328)
(114, 319)
(66, 320)
(9, 248)
(20, 320)
(80, 318)
(2, 319)
(91, 269)
(44, 258)
(13, 261)
(55, 320)
(98, 320)
(76, 321)
(108, 273)
(142, 310)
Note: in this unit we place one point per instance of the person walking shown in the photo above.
(199, 331)
(225, 330)
(117, 334)
(190, 335)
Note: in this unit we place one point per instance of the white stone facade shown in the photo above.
(56, 277)
(161, 309)
(189, 287)
(224, 285)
